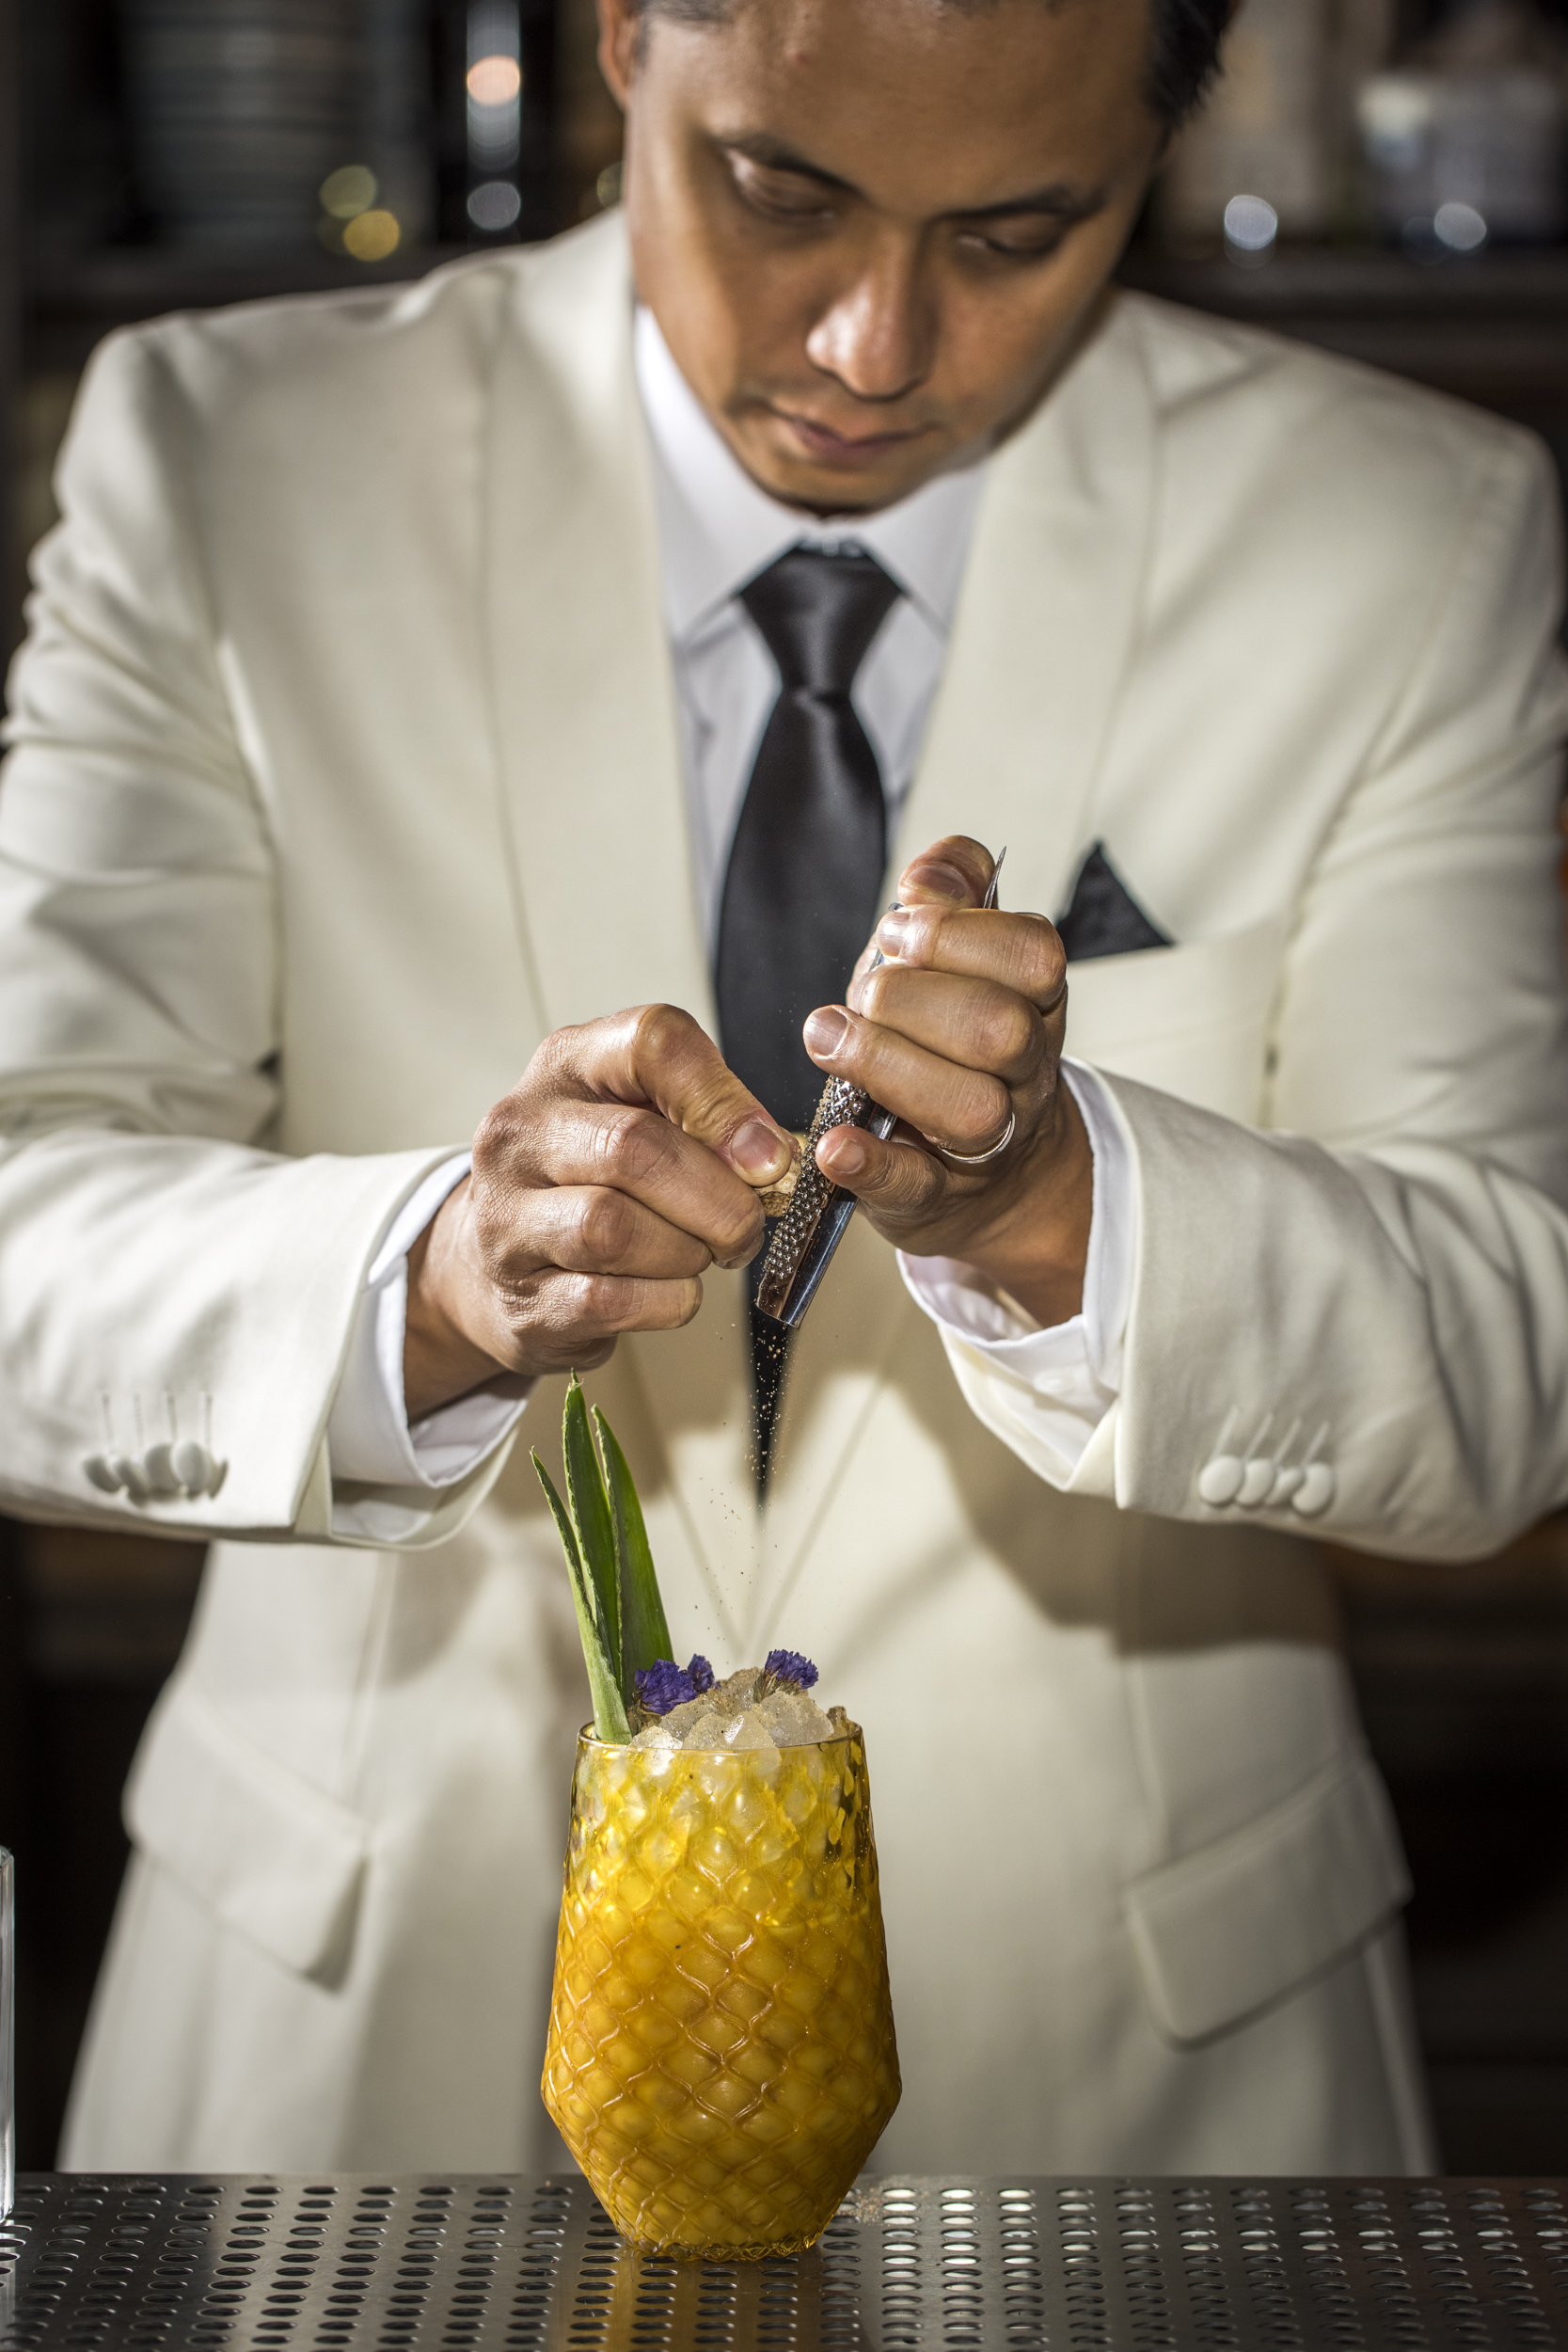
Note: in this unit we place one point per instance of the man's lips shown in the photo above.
(844, 449)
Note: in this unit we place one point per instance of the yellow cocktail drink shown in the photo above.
(721, 2059)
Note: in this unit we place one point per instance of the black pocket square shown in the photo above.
(1104, 919)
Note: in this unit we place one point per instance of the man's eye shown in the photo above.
(1031, 245)
(779, 195)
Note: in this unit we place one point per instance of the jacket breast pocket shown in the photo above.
(273, 1858)
(1226, 1930)
(1192, 1020)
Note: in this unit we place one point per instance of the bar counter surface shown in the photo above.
(321, 2262)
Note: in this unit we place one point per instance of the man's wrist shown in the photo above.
(442, 1362)
(1037, 1250)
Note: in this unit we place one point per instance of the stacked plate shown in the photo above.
(240, 108)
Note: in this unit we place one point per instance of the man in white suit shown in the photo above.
(396, 709)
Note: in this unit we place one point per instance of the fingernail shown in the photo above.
(892, 931)
(760, 1150)
(849, 1156)
(932, 875)
(844, 1151)
(826, 1031)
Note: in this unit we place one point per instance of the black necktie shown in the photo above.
(805, 872)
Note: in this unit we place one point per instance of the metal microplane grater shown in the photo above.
(811, 1229)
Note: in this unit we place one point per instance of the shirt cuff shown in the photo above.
(1065, 1377)
(370, 1439)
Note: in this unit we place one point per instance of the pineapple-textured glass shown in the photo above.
(721, 2059)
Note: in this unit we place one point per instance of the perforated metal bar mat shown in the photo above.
(322, 2265)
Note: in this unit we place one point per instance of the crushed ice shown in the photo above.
(732, 1715)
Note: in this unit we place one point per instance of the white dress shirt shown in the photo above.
(716, 530)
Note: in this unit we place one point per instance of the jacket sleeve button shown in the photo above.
(1219, 1482)
(128, 1474)
(191, 1465)
(157, 1467)
(1316, 1491)
(1257, 1478)
(101, 1471)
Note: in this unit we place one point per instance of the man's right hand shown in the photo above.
(623, 1162)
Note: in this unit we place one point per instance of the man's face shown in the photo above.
(871, 229)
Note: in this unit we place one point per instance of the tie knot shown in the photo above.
(818, 613)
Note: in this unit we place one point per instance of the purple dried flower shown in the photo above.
(662, 1685)
(700, 1674)
(787, 1665)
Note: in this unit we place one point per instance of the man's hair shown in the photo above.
(1183, 49)
(1183, 57)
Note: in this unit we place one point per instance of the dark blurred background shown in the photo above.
(1383, 177)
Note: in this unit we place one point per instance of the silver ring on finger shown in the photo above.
(978, 1159)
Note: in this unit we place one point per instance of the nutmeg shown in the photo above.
(775, 1198)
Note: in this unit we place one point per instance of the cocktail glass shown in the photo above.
(721, 2059)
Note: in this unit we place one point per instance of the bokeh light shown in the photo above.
(1251, 224)
(495, 81)
(494, 204)
(348, 191)
(1460, 227)
(372, 236)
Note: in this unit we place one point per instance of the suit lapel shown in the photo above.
(585, 717)
(590, 772)
(1045, 627)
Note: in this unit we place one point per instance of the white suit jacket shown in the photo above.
(344, 770)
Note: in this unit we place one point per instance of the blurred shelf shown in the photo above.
(1463, 1665)
(1462, 1673)
(1493, 329)
(103, 1610)
(1349, 281)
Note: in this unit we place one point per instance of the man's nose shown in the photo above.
(878, 333)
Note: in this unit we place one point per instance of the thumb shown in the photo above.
(898, 1183)
(955, 871)
(671, 1059)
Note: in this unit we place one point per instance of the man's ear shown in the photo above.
(620, 42)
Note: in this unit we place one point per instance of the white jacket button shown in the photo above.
(157, 1467)
(103, 1473)
(191, 1465)
(1316, 1491)
(1257, 1478)
(1285, 1485)
(128, 1472)
(1219, 1482)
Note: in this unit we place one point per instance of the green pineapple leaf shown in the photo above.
(645, 1633)
(590, 1518)
(609, 1715)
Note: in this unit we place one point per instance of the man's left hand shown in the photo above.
(960, 1031)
